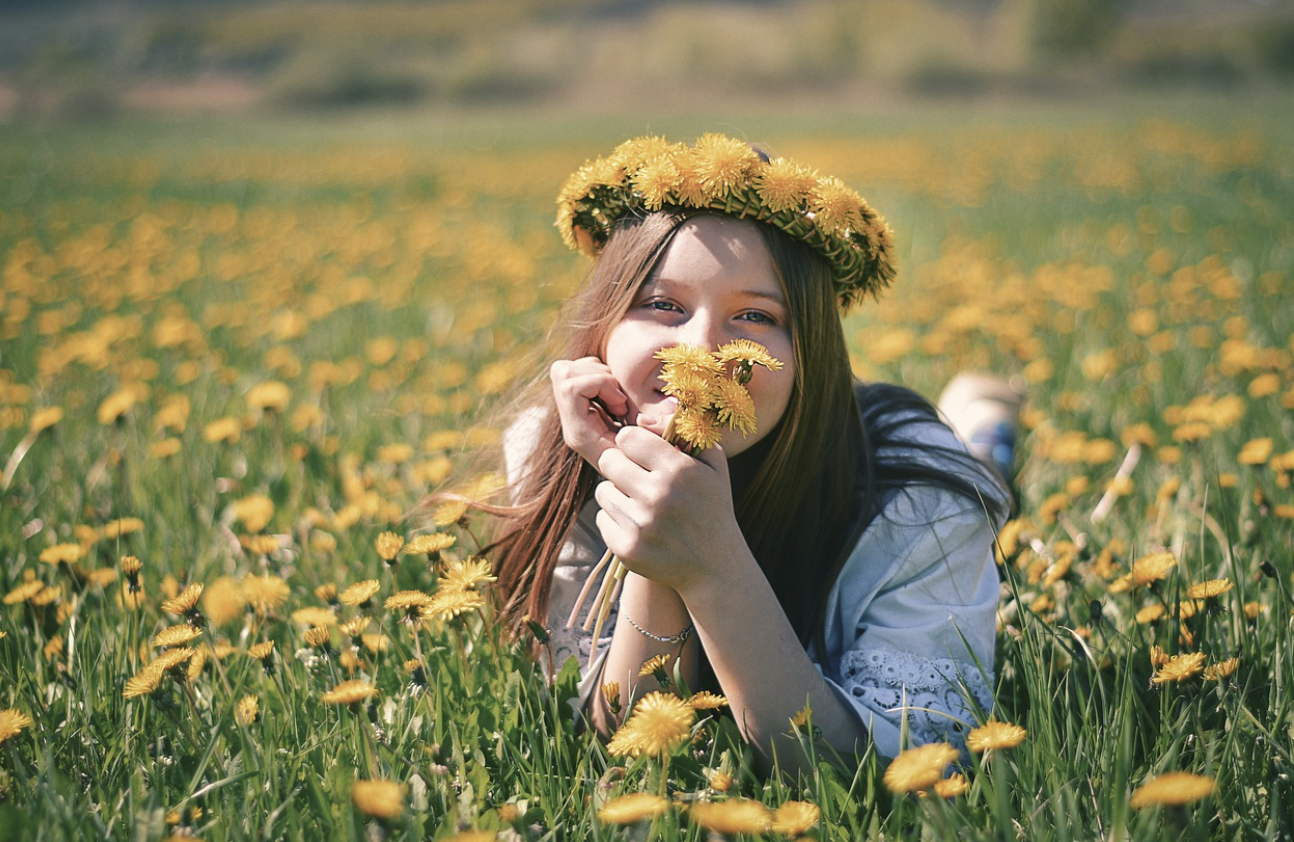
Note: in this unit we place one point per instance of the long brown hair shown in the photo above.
(796, 510)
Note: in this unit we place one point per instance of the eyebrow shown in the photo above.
(655, 279)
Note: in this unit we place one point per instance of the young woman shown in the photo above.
(840, 557)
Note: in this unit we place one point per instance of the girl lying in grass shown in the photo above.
(839, 555)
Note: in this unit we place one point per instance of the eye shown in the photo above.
(661, 305)
(757, 317)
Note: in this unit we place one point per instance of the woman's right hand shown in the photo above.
(590, 403)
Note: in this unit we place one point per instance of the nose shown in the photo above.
(703, 329)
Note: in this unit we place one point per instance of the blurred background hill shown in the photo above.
(77, 57)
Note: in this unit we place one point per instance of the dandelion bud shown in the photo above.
(611, 693)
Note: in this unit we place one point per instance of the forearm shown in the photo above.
(766, 674)
(660, 611)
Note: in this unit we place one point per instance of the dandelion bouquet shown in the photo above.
(710, 387)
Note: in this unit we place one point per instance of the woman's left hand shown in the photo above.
(667, 515)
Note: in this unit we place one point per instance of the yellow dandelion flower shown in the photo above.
(227, 429)
(314, 615)
(745, 354)
(24, 592)
(173, 414)
(223, 600)
(951, 786)
(254, 511)
(993, 735)
(47, 595)
(448, 604)
(317, 637)
(375, 642)
(785, 185)
(659, 722)
(197, 663)
(1221, 670)
(699, 430)
(468, 575)
(653, 665)
(731, 816)
(693, 390)
(359, 593)
(688, 190)
(176, 636)
(381, 799)
(1151, 568)
(271, 396)
(1192, 431)
(734, 406)
(261, 651)
(173, 660)
(62, 554)
(12, 723)
(185, 601)
(450, 512)
(388, 545)
(656, 181)
(1179, 668)
(633, 808)
(350, 692)
(43, 419)
(1209, 588)
(413, 604)
(146, 682)
(354, 628)
(836, 206)
(611, 695)
(396, 453)
(793, 818)
(1151, 613)
(114, 529)
(1255, 452)
(722, 163)
(920, 768)
(1158, 657)
(116, 405)
(102, 576)
(265, 593)
(1172, 788)
(705, 700)
(685, 357)
(430, 545)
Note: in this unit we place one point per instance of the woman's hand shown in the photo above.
(590, 403)
(667, 515)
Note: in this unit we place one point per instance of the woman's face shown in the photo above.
(714, 283)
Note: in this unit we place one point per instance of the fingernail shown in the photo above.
(645, 420)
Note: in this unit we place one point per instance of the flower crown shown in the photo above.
(729, 176)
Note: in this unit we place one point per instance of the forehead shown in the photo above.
(716, 247)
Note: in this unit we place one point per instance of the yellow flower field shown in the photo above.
(231, 368)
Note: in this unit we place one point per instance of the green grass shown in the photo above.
(1130, 263)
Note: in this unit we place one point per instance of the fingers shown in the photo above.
(577, 382)
(588, 400)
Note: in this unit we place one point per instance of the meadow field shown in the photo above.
(235, 355)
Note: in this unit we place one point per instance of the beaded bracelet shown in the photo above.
(673, 638)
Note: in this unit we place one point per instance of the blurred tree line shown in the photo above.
(83, 53)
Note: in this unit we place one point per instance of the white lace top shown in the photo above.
(910, 621)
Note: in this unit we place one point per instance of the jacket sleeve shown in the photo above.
(911, 621)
